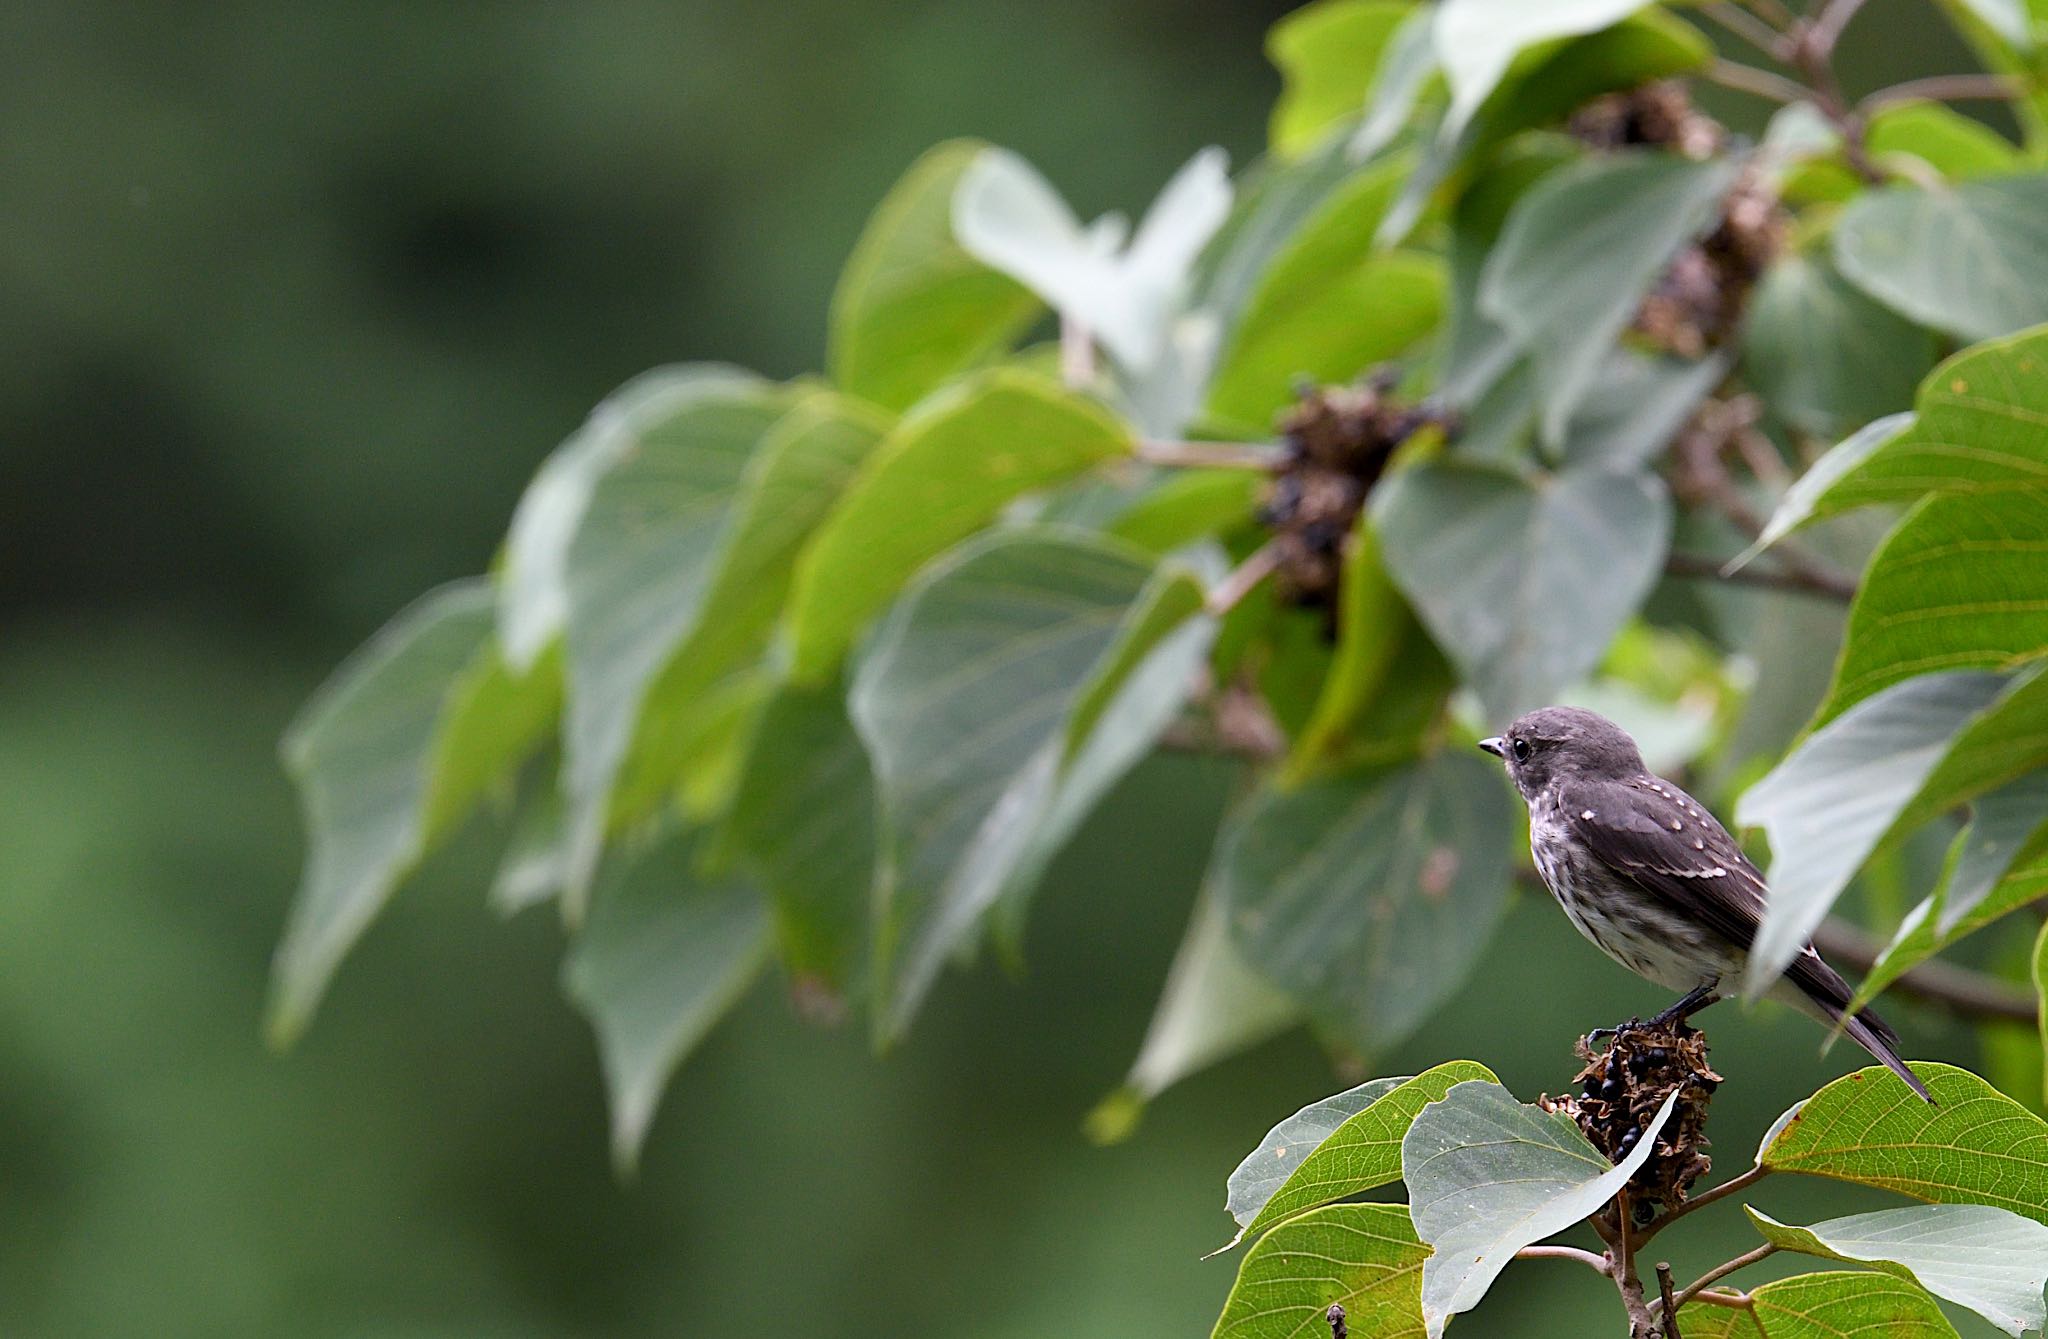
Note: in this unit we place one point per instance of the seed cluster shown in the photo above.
(1620, 1092)
(1700, 298)
(1658, 115)
(1336, 442)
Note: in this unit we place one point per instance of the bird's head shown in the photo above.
(1564, 741)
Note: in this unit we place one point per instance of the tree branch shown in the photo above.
(1210, 455)
(1670, 1312)
(1733, 1185)
(1958, 989)
(1243, 579)
(1721, 1271)
(1945, 88)
(1803, 581)
(1749, 79)
(1746, 26)
(1597, 1263)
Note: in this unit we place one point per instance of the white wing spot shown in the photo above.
(1588, 813)
(1718, 871)
(1677, 826)
(1698, 845)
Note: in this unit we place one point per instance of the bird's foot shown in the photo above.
(1600, 1034)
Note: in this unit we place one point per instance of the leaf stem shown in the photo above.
(1243, 579)
(1597, 1263)
(1722, 1270)
(1733, 1185)
(1749, 79)
(1210, 455)
(1746, 26)
(1945, 88)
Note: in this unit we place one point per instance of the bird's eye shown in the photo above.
(1521, 748)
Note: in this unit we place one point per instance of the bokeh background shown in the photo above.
(292, 301)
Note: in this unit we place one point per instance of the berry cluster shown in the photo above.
(1620, 1092)
(1700, 299)
(1337, 441)
(1658, 115)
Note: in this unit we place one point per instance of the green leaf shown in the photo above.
(1363, 1257)
(1973, 1145)
(1962, 583)
(660, 957)
(1329, 305)
(1213, 1007)
(803, 824)
(2008, 18)
(912, 308)
(1841, 792)
(1990, 1260)
(391, 753)
(1580, 250)
(1477, 40)
(970, 702)
(1328, 54)
(1008, 215)
(1825, 1306)
(640, 567)
(533, 592)
(1372, 894)
(2041, 988)
(2008, 832)
(945, 471)
(1971, 261)
(1977, 429)
(1405, 67)
(1188, 505)
(1488, 1175)
(1377, 638)
(1628, 420)
(1336, 1148)
(1825, 357)
(1523, 582)
(532, 869)
(1959, 147)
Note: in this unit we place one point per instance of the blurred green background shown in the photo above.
(292, 301)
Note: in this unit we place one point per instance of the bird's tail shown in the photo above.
(1827, 996)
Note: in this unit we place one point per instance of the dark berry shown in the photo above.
(1611, 1089)
(1658, 1055)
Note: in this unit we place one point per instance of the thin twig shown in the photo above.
(1805, 582)
(1771, 12)
(1077, 354)
(1734, 1185)
(1210, 455)
(1597, 1263)
(1946, 88)
(1746, 26)
(1723, 1270)
(1243, 579)
(1670, 1312)
(1810, 48)
(1713, 1297)
(1827, 27)
(1960, 990)
(1749, 79)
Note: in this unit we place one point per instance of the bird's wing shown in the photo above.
(1656, 835)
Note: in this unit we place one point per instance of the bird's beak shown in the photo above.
(1495, 745)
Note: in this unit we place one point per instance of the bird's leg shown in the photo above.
(1600, 1034)
(1694, 1000)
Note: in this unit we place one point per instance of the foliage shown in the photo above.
(843, 663)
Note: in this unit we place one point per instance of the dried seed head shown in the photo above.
(1659, 115)
(1624, 1086)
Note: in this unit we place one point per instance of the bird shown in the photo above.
(1653, 879)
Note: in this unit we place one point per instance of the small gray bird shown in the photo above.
(1651, 878)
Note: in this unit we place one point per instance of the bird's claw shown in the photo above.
(1600, 1034)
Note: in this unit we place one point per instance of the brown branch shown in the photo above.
(1810, 48)
(1961, 991)
(1733, 1185)
(1946, 88)
(1700, 478)
(1243, 579)
(1827, 585)
(1826, 29)
(1597, 1263)
(1746, 26)
(1771, 12)
(1670, 1312)
(1210, 455)
(1721, 1271)
(1749, 79)
(1739, 1300)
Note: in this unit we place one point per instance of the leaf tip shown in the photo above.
(1115, 1119)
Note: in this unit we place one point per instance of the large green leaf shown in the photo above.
(1990, 1260)
(1127, 297)
(1578, 253)
(1962, 583)
(1372, 894)
(640, 565)
(1971, 260)
(803, 823)
(1477, 40)
(1336, 1148)
(1488, 1175)
(1880, 769)
(1954, 145)
(1328, 54)
(1329, 304)
(2040, 975)
(1824, 1306)
(1825, 357)
(1213, 1006)
(967, 701)
(945, 471)
(533, 591)
(390, 754)
(661, 955)
(1972, 1145)
(1363, 1257)
(912, 308)
(1405, 69)
(1523, 581)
